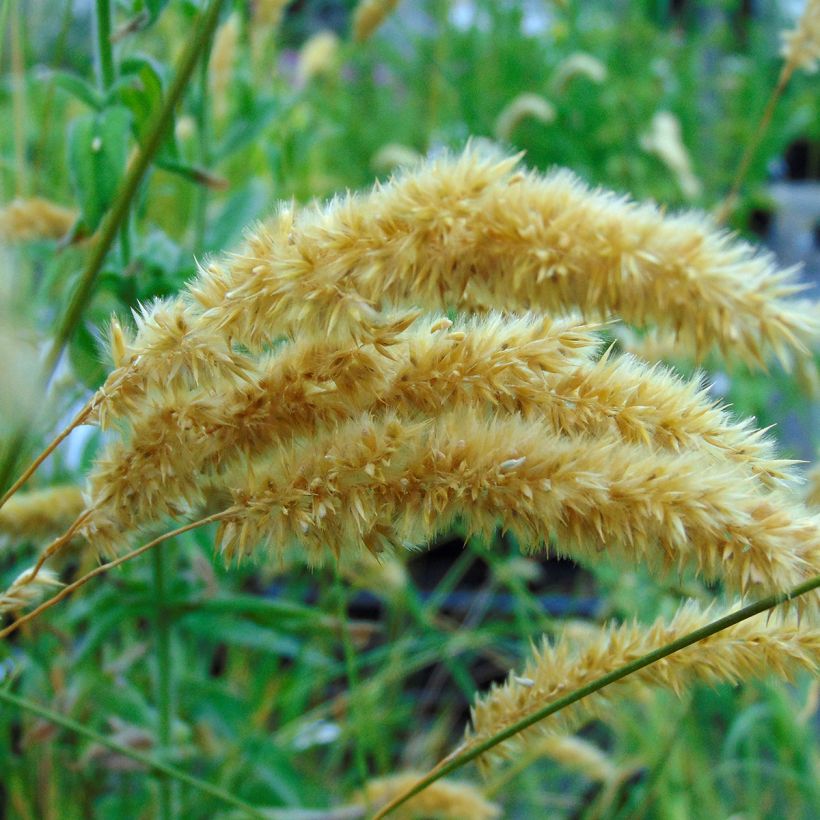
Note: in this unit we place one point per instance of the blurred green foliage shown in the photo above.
(288, 684)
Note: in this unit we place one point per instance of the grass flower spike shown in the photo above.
(755, 647)
(446, 800)
(801, 46)
(474, 233)
(24, 220)
(369, 15)
(392, 483)
(42, 513)
(524, 106)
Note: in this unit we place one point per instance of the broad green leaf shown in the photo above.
(140, 90)
(97, 152)
(79, 89)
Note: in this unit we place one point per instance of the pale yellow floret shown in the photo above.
(523, 107)
(41, 513)
(755, 647)
(25, 590)
(665, 140)
(391, 483)
(445, 799)
(369, 15)
(474, 234)
(221, 63)
(801, 45)
(24, 220)
(171, 349)
(578, 64)
(318, 56)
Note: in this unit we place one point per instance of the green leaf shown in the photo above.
(140, 90)
(79, 89)
(87, 358)
(97, 152)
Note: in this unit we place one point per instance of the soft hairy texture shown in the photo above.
(25, 590)
(755, 647)
(188, 435)
(813, 494)
(474, 233)
(24, 220)
(533, 366)
(391, 482)
(369, 15)
(576, 754)
(171, 350)
(41, 513)
(801, 45)
(444, 799)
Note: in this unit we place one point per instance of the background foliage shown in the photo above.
(289, 687)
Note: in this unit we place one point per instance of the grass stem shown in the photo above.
(163, 684)
(116, 216)
(151, 763)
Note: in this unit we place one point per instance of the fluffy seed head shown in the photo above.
(801, 45)
(755, 647)
(523, 107)
(444, 799)
(26, 591)
(472, 233)
(391, 483)
(24, 220)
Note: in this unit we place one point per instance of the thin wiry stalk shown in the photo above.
(392, 482)
(750, 649)
(466, 754)
(159, 767)
(75, 585)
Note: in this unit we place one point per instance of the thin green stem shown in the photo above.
(163, 685)
(754, 143)
(469, 752)
(155, 135)
(105, 52)
(360, 720)
(158, 767)
(203, 151)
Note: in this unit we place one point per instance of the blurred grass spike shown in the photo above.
(27, 220)
(801, 45)
(369, 15)
(446, 799)
(41, 513)
(523, 107)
